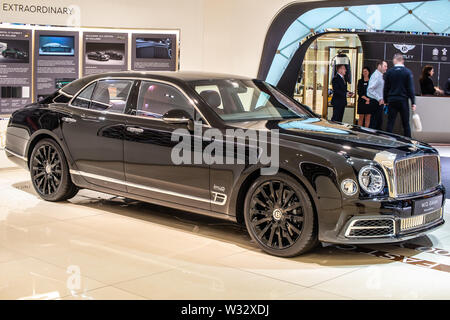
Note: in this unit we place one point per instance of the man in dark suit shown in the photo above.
(447, 87)
(398, 89)
(340, 93)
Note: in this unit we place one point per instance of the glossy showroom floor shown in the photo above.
(100, 247)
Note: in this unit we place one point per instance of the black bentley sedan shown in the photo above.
(14, 53)
(335, 183)
(97, 55)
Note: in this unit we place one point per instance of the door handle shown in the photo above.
(68, 120)
(135, 130)
(91, 118)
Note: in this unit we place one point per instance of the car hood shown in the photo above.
(333, 135)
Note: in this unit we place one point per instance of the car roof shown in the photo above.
(171, 76)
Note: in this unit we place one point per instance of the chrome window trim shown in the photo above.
(140, 79)
(60, 91)
(16, 154)
(218, 199)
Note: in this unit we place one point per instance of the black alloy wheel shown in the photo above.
(50, 173)
(47, 170)
(279, 216)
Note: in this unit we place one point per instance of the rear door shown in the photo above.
(94, 132)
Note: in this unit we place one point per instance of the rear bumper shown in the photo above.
(16, 158)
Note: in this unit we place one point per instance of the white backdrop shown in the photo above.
(216, 35)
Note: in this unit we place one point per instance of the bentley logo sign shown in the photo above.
(404, 48)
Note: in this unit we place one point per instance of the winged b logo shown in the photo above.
(404, 48)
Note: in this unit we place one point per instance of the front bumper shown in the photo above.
(398, 235)
(385, 220)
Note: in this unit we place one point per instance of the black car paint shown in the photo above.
(14, 53)
(98, 56)
(114, 55)
(318, 157)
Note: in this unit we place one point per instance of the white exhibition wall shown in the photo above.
(216, 35)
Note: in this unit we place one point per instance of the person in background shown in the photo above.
(398, 89)
(426, 82)
(375, 93)
(340, 93)
(447, 87)
(364, 107)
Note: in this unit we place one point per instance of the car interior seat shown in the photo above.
(100, 99)
(213, 99)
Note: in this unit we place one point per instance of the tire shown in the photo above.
(282, 226)
(50, 173)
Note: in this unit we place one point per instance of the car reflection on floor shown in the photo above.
(133, 250)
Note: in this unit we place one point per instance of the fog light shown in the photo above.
(349, 187)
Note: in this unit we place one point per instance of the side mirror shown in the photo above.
(178, 116)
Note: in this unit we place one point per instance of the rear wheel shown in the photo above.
(50, 173)
(279, 216)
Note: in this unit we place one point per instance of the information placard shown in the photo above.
(154, 52)
(15, 69)
(56, 60)
(104, 52)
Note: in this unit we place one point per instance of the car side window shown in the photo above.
(111, 95)
(83, 100)
(155, 99)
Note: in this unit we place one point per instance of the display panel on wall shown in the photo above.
(418, 51)
(104, 52)
(154, 52)
(15, 69)
(55, 60)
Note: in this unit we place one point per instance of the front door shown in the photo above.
(149, 167)
(94, 132)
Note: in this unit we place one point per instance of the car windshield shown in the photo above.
(248, 100)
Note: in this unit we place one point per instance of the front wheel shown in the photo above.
(50, 173)
(279, 216)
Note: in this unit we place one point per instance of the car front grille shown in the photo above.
(413, 175)
(419, 221)
(371, 228)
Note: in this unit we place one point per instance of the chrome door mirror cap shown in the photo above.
(177, 116)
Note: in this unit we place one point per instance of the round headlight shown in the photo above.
(349, 187)
(371, 180)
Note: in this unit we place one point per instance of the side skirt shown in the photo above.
(80, 182)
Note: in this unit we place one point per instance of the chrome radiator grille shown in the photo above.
(417, 174)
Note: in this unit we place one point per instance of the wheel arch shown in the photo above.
(44, 134)
(242, 191)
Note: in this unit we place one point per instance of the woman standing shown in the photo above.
(426, 83)
(364, 105)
